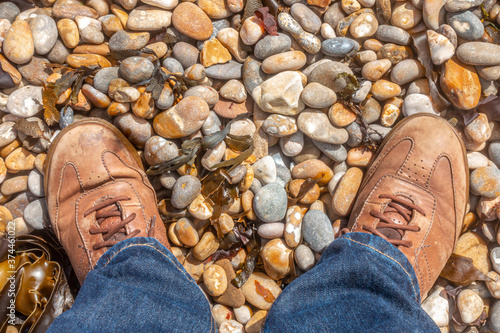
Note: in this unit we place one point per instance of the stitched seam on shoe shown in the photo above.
(373, 167)
(388, 256)
(63, 168)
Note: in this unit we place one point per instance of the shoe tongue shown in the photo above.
(397, 218)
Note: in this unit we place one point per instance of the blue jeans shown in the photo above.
(361, 284)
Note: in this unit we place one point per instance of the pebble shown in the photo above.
(44, 31)
(309, 42)
(339, 46)
(256, 285)
(280, 126)
(233, 90)
(7, 133)
(271, 45)
(252, 30)
(340, 115)
(265, 170)
(137, 130)
(441, 48)
(346, 191)
(270, 203)
(479, 54)
(277, 258)
(317, 96)
(25, 102)
(485, 181)
(231, 326)
(292, 145)
(467, 25)
(271, 230)
(383, 90)
(227, 71)
(255, 323)
(165, 4)
(36, 214)
(417, 103)
(304, 257)
(124, 40)
(184, 191)
(215, 9)
(243, 314)
(229, 37)
(232, 296)
(136, 69)
(148, 18)
(407, 71)
(374, 70)
(479, 129)
(405, 15)
(494, 316)
(186, 54)
(293, 226)
(363, 26)
(286, 61)
(9, 11)
(494, 284)
(280, 94)
(183, 119)
(18, 45)
(221, 313)
(392, 34)
(307, 19)
(207, 245)
(313, 168)
(215, 280)
(470, 305)
(317, 230)
(471, 245)
(35, 183)
(437, 307)
(158, 150)
(316, 125)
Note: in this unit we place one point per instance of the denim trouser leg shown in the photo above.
(137, 286)
(361, 284)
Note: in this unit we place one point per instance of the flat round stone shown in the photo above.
(270, 203)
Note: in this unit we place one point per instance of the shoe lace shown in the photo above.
(400, 205)
(107, 209)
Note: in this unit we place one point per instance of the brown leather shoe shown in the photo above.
(414, 194)
(97, 193)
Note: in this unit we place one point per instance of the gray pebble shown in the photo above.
(316, 95)
(104, 76)
(35, 183)
(36, 214)
(307, 19)
(136, 69)
(283, 175)
(7, 133)
(479, 53)
(270, 203)
(173, 65)
(59, 53)
(185, 190)
(370, 110)
(327, 74)
(466, 25)
(339, 46)
(186, 54)
(168, 179)
(495, 258)
(227, 71)
(317, 230)
(256, 186)
(338, 153)
(9, 11)
(355, 134)
(363, 90)
(271, 45)
(494, 317)
(378, 132)
(458, 5)
(44, 32)
(392, 34)
(66, 117)
(304, 257)
(494, 152)
(252, 74)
